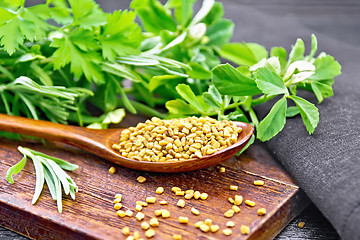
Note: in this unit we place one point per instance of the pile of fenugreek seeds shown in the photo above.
(176, 139)
(149, 223)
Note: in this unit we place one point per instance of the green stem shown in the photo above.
(144, 109)
(262, 99)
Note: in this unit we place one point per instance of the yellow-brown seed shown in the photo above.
(159, 190)
(120, 213)
(136, 235)
(154, 222)
(141, 203)
(204, 196)
(165, 213)
(227, 232)
(222, 170)
(175, 189)
(197, 224)
(245, 230)
(189, 195)
(250, 203)
(204, 228)
(112, 170)
(140, 216)
(163, 202)
(208, 222)
(145, 225)
(301, 224)
(184, 220)
(181, 203)
(150, 233)
(138, 207)
(261, 211)
(235, 208)
(197, 194)
(117, 200)
(129, 213)
(258, 182)
(118, 196)
(233, 187)
(238, 200)
(231, 200)
(195, 211)
(117, 206)
(230, 224)
(229, 213)
(177, 237)
(158, 212)
(179, 193)
(214, 228)
(151, 199)
(126, 231)
(141, 179)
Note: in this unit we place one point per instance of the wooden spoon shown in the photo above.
(99, 142)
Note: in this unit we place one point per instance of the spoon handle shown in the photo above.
(72, 135)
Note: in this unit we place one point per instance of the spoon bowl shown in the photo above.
(99, 142)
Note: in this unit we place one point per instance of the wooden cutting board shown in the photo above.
(92, 216)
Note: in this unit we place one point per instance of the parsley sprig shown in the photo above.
(50, 170)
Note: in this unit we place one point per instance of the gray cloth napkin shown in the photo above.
(326, 165)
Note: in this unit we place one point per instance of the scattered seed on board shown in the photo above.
(235, 208)
(177, 237)
(204, 196)
(197, 224)
(129, 213)
(244, 230)
(141, 179)
(159, 190)
(229, 213)
(145, 225)
(158, 212)
(136, 235)
(197, 194)
(138, 208)
(175, 189)
(139, 216)
(181, 203)
(150, 199)
(227, 232)
(230, 224)
(258, 182)
(233, 187)
(154, 222)
(183, 220)
(195, 211)
(261, 211)
(238, 200)
(222, 170)
(120, 213)
(117, 206)
(141, 203)
(117, 200)
(301, 224)
(189, 195)
(250, 203)
(204, 228)
(163, 202)
(112, 170)
(214, 228)
(149, 233)
(179, 193)
(118, 195)
(165, 213)
(126, 231)
(231, 200)
(208, 222)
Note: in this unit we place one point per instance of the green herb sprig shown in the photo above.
(50, 170)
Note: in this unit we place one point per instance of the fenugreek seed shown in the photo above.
(261, 211)
(180, 193)
(150, 199)
(181, 203)
(126, 231)
(234, 188)
(245, 230)
(230, 224)
(197, 224)
(204, 196)
(112, 170)
(159, 190)
(120, 213)
(139, 216)
(210, 151)
(154, 222)
(175, 189)
(204, 228)
(197, 194)
(117, 206)
(238, 200)
(117, 200)
(165, 213)
(149, 233)
(231, 200)
(118, 196)
(158, 212)
(163, 202)
(138, 207)
(227, 232)
(229, 213)
(189, 191)
(214, 228)
(141, 179)
(183, 220)
(189, 196)
(250, 203)
(208, 222)
(130, 238)
(258, 183)
(129, 213)
(136, 235)
(235, 208)
(145, 225)
(195, 211)
(177, 237)
(301, 224)
(141, 203)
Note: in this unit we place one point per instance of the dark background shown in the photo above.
(274, 23)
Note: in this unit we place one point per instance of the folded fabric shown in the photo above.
(326, 164)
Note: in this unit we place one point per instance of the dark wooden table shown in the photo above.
(338, 19)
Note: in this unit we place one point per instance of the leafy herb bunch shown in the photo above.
(66, 55)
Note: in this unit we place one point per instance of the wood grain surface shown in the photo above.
(92, 216)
